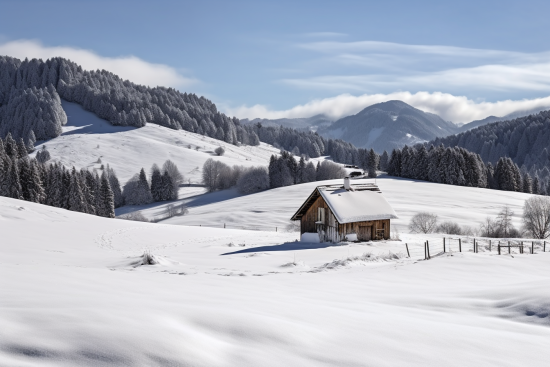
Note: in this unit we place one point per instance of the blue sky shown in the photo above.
(462, 60)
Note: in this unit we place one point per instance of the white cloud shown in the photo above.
(127, 67)
(370, 66)
(458, 109)
(506, 78)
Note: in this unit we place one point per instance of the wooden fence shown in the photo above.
(475, 245)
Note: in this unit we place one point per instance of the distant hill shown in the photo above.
(525, 140)
(307, 123)
(510, 116)
(389, 125)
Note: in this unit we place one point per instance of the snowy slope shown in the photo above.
(86, 138)
(70, 294)
(468, 206)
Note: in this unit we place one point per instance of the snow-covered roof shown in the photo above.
(357, 206)
(363, 202)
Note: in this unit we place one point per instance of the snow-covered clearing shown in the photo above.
(87, 138)
(73, 292)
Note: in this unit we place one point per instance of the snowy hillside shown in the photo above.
(468, 206)
(87, 138)
(74, 292)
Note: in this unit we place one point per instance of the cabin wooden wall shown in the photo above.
(332, 231)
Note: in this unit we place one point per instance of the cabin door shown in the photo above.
(364, 233)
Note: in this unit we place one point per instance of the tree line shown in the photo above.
(524, 140)
(37, 181)
(458, 166)
(283, 170)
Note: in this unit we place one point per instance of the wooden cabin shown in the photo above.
(336, 211)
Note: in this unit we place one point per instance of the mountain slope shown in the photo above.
(86, 139)
(388, 125)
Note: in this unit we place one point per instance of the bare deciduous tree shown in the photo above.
(504, 220)
(536, 216)
(423, 222)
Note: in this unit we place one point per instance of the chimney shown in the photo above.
(347, 184)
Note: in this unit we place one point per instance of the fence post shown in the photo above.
(444, 245)
(544, 248)
(224, 225)
(509, 247)
(475, 246)
(521, 246)
(275, 229)
(428, 247)
(532, 247)
(499, 247)
(425, 252)
(407, 246)
(459, 245)
(490, 246)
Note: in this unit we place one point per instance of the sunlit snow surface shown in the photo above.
(73, 292)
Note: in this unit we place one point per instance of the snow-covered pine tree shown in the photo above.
(175, 174)
(384, 159)
(301, 171)
(143, 192)
(115, 186)
(15, 190)
(168, 191)
(536, 189)
(77, 201)
(107, 207)
(527, 183)
(35, 186)
(157, 184)
(10, 147)
(31, 140)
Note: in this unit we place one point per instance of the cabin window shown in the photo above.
(321, 215)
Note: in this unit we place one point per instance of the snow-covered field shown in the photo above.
(87, 138)
(72, 292)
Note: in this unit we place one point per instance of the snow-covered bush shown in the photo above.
(253, 180)
(219, 151)
(449, 227)
(43, 155)
(329, 170)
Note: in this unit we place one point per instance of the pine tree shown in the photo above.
(167, 188)
(527, 184)
(115, 187)
(372, 163)
(14, 189)
(384, 160)
(35, 185)
(77, 201)
(107, 208)
(157, 184)
(10, 147)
